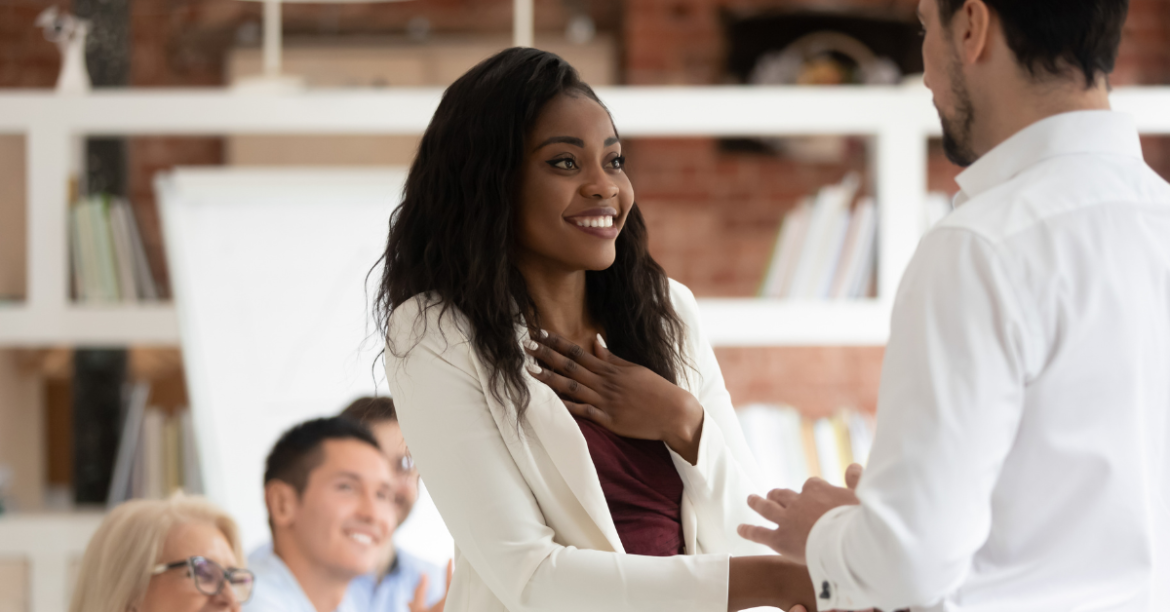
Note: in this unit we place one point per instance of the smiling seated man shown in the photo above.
(402, 582)
(330, 499)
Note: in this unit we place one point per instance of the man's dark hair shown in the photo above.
(299, 450)
(1053, 35)
(370, 411)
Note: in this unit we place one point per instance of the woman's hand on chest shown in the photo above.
(625, 398)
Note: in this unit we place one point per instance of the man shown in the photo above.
(402, 582)
(329, 493)
(1021, 457)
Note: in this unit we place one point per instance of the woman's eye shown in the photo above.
(619, 162)
(563, 164)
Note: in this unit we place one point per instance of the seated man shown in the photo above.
(329, 492)
(402, 581)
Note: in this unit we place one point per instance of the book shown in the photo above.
(828, 452)
(778, 278)
(153, 466)
(121, 485)
(144, 279)
(856, 251)
(192, 475)
(123, 251)
(822, 243)
(106, 267)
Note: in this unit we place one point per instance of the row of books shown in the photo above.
(156, 453)
(109, 260)
(826, 248)
(791, 448)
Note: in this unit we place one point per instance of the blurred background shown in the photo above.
(109, 386)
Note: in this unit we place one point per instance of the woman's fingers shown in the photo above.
(564, 386)
(572, 353)
(589, 411)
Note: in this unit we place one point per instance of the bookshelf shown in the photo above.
(899, 120)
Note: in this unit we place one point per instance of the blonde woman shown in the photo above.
(177, 555)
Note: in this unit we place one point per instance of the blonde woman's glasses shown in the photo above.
(210, 577)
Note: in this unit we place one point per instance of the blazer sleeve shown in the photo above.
(725, 474)
(489, 509)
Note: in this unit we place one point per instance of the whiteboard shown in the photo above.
(268, 270)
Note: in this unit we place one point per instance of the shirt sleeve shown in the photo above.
(494, 517)
(951, 399)
(725, 472)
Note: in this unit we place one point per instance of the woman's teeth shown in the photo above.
(594, 221)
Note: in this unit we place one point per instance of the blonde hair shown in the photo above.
(121, 557)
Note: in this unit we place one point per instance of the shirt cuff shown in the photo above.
(825, 556)
(697, 477)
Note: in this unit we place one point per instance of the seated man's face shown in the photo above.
(346, 515)
(389, 436)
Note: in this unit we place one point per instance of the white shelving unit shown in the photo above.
(900, 120)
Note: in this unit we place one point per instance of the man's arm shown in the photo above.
(950, 404)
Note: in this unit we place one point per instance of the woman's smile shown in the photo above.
(596, 222)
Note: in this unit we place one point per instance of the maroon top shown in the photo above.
(642, 489)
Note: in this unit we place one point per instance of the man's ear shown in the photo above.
(282, 501)
(972, 30)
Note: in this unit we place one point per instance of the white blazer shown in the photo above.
(523, 503)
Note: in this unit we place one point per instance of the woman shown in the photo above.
(177, 555)
(548, 461)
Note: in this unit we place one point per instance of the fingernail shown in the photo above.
(543, 334)
(533, 368)
(602, 341)
(532, 346)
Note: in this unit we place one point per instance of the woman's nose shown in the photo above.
(601, 189)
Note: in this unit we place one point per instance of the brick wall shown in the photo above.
(714, 215)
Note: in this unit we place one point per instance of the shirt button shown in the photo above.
(825, 593)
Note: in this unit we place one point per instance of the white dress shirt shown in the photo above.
(1021, 455)
(277, 590)
(523, 501)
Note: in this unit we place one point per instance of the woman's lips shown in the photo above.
(600, 232)
(600, 222)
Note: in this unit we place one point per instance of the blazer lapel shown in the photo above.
(561, 438)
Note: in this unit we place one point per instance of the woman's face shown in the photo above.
(174, 590)
(574, 192)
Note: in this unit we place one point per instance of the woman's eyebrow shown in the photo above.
(576, 142)
(569, 140)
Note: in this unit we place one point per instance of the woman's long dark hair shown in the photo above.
(454, 234)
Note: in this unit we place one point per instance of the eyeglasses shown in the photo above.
(209, 577)
(404, 466)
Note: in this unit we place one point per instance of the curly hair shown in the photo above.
(453, 237)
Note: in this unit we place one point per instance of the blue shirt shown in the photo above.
(396, 589)
(277, 590)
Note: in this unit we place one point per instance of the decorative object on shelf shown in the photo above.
(822, 58)
(272, 80)
(69, 33)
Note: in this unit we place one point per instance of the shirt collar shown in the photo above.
(1095, 131)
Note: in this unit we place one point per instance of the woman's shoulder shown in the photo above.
(684, 303)
(423, 318)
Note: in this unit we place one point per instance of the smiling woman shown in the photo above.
(553, 385)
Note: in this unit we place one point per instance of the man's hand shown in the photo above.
(419, 603)
(796, 513)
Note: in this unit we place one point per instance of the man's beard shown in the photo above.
(957, 129)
